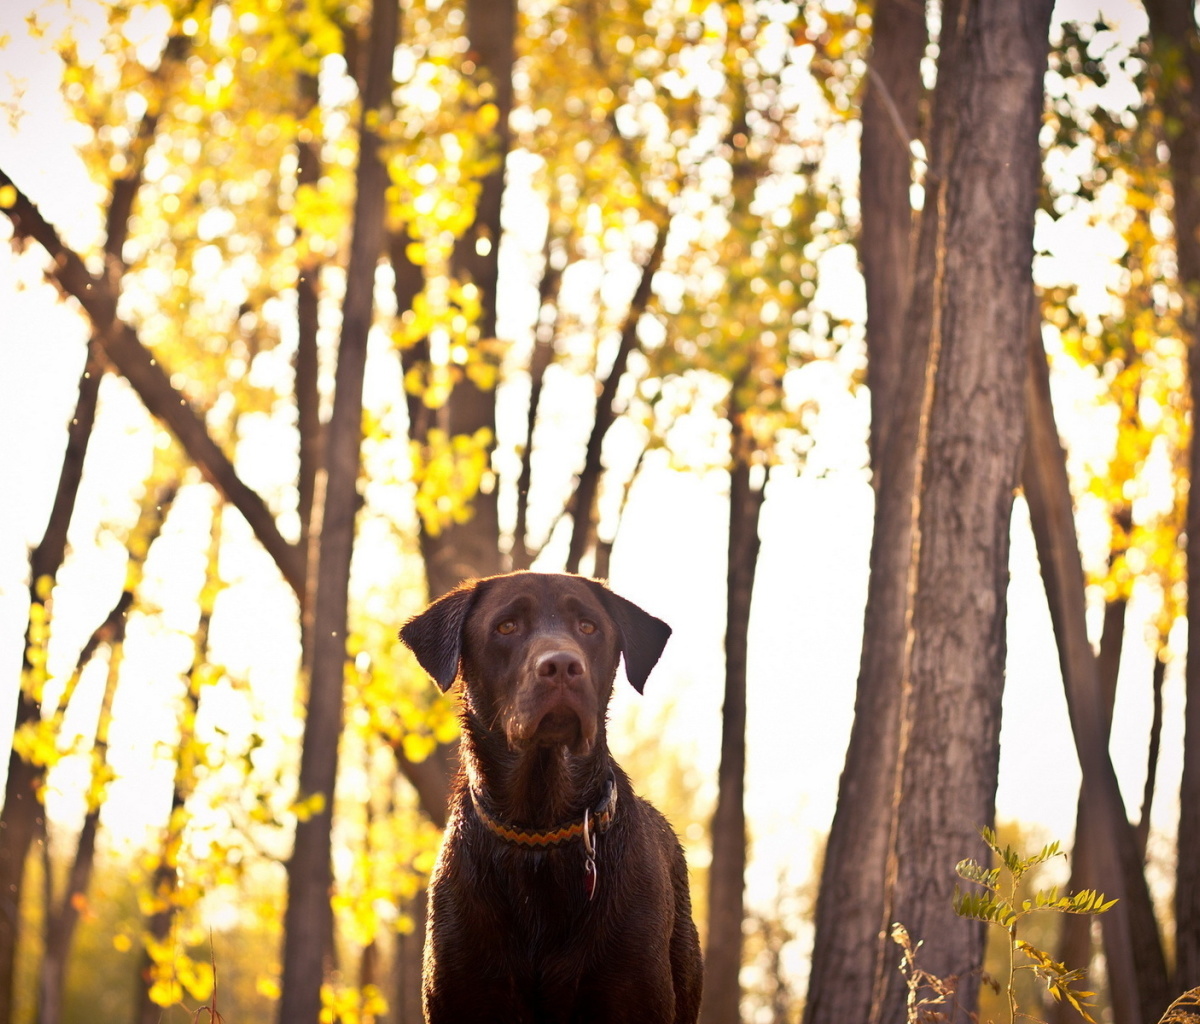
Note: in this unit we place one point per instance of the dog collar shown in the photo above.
(595, 820)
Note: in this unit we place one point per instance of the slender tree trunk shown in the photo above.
(306, 364)
(62, 916)
(308, 922)
(1177, 48)
(1075, 945)
(970, 436)
(539, 362)
(1135, 966)
(587, 487)
(850, 944)
(20, 820)
(726, 885)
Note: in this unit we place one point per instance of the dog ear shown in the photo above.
(435, 636)
(643, 636)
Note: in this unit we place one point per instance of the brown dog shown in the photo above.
(559, 896)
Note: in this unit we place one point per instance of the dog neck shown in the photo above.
(535, 787)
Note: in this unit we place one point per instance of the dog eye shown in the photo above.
(506, 627)
(587, 627)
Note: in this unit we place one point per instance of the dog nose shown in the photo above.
(559, 667)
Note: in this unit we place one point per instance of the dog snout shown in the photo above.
(564, 667)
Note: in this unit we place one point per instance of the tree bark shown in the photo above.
(971, 431)
(1176, 46)
(850, 944)
(726, 885)
(308, 921)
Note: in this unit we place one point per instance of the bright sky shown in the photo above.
(808, 602)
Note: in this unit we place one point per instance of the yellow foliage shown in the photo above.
(344, 1005)
(309, 807)
(37, 743)
(448, 472)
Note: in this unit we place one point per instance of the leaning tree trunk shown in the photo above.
(723, 952)
(969, 397)
(308, 922)
(1177, 49)
(1134, 959)
(21, 819)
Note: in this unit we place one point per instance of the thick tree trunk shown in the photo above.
(1177, 48)
(1135, 966)
(850, 944)
(308, 922)
(473, 548)
(969, 444)
(726, 886)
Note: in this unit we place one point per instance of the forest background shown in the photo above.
(677, 260)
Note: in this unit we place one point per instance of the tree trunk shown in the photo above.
(473, 548)
(1177, 49)
(971, 431)
(20, 820)
(308, 921)
(850, 944)
(587, 487)
(726, 885)
(1135, 966)
(889, 126)
(62, 916)
(406, 969)
(1075, 945)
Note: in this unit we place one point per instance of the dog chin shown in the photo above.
(558, 727)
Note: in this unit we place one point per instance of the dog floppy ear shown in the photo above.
(435, 636)
(643, 636)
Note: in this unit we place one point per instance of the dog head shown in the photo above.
(537, 653)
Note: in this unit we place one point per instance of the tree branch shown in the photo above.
(584, 498)
(124, 349)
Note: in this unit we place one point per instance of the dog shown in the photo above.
(559, 896)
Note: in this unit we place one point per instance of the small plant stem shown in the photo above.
(1012, 972)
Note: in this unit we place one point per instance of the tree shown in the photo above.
(308, 925)
(849, 944)
(1176, 47)
(726, 911)
(953, 441)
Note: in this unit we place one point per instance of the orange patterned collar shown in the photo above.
(595, 820)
